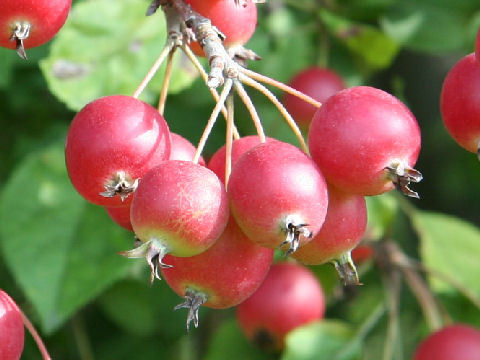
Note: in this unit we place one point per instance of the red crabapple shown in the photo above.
(458, 341)
(289, 297)
(362, 253)
(112, 142)
(239, 147)
(12, 332)
(28, 23)
(236, 22)
(316, 82)
(182, 149)
(278, 195)
(179, 208)
(366, 141)
(460, 103)
(342, 230)
(221, 277)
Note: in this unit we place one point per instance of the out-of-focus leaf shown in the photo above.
(6, 66)
(106, 47)
(61, 250)
(229, 342)
(321, 340)
(420, 25)
(374, 47)
(451, 246)
(142, 309)
(381, 212)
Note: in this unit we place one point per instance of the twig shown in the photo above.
(393, 284)
(38, 340)
(204, 76)
(216, 110)
(166, 82)
(81, 339)
(284, 87)
(255, 84)
(251, 109)
(228, 140)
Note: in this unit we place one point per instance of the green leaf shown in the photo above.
(228, 342)
(381, 211)
(451, 246)
(421, 25)
(321, 340)
(61, 250)
(374, 47)
(106, 47)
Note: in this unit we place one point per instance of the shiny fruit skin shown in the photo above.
(453, 342)
(316, 82)
(181, 204)
(182, 149)
(289, 297)
(342, 230)
(239, 147)
(235, 21)
(362, 253)
(111, 134)
(227, 273)
(12, 332)
(460, 102)
(357, 133)
(271, 182)
(45, 16)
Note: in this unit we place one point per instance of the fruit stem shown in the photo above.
(213, 118)
(229, 138)
(166, 82)
(38, 340)
(278, 84)
(21, 32)
(346, 269)
(251, 109)
(255, 84)
(193, 301)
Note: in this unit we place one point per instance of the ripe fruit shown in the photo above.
(221, 277)
(362, 253)
(239, 147)
(11, 328)
(290, 296)
(342, 230)
(179, 208)
(278, 195)
(316, 82)
(236, 22)
(451, 342)
(121, 216)
(182, 149)
(460, 103)
(366, 141)
(112, 142)
(28, 23)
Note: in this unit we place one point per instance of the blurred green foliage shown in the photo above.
(58, 254)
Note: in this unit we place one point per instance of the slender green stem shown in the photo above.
(255, 84)
(191, 56)
(213, 118)
(81, 339)
(169, 45)
(229, 138)
(251, 109)
(284, 87)
(166, 82)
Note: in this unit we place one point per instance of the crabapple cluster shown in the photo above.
(28, 23)
(11, 328)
